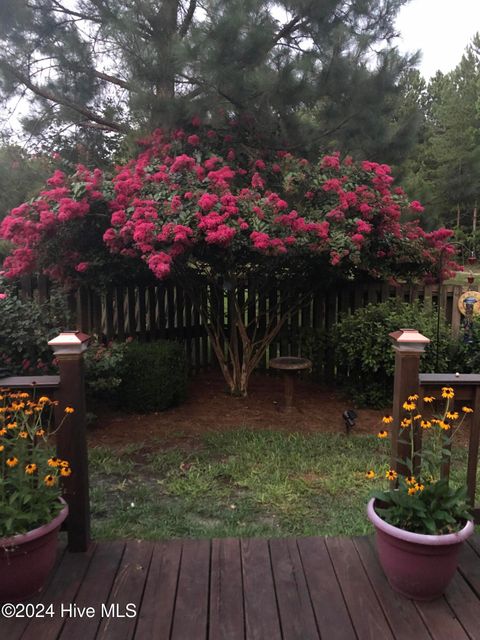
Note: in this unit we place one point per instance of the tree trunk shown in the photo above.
(240, 346)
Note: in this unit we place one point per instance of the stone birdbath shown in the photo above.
(290, 366)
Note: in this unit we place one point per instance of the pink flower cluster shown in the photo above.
(30, 225)
(194, 195)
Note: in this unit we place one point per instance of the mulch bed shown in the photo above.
(208, 407)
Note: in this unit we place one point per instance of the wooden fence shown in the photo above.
(164, 311)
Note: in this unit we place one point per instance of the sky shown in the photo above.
(440, 28)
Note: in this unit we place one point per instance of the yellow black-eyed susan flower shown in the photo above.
(43, 400)
(419, 487)
(406, 422)
(467, 410)
(12, 425)
(24, 395)
(410, 480)
(3, 431)
(418, 416)
(23, 434)
(49, 480)
(54, 462)
(69, 409)
(443, 425)
(448, 392)
(382, 434)
(64, 463)
(2, 447)
(452, 415)
(428, 399)
(30, 468)
(40, 432)
(409, 406)
(391, 474)
(425, 424)
(65, 472)
(411, 491)
(387, 419)
(12, 461)
(370, 474)
(413, 398)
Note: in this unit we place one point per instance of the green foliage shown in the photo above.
(295, 71)
(442, 170)
(423, 501)
(437, 509)
(154, 376)
(466, 358)
(21, 177)
(364, 356)
(25, 328)
(29, 475)
(104, 369)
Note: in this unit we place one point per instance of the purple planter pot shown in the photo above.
(417, 565)
(27, 559)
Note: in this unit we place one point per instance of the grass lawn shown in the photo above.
(461, 276)
(234, 483)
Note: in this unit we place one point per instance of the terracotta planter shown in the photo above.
(27, 559)
(418, 566)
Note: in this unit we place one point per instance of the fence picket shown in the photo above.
(165, 311)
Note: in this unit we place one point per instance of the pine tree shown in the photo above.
(444, 168)
(299, 73)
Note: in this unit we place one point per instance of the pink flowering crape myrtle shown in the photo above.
(211, 213)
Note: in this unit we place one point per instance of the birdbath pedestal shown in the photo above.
(289, 366)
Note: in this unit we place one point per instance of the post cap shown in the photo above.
(69, 343)
(408, 340)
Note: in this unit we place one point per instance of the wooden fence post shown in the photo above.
(409, 345)
(68, 348)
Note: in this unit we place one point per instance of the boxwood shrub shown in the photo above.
(364, 357)
(154, 376)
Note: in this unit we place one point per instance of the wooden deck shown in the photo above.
(252, 589)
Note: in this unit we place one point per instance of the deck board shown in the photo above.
(333, 620)
(249, 589)
(227, 617)
(118, 622)
(95, 589)
(365, 610)
(261, 611)
(404, 619)
(190, 617)
(294, 604)
(156, 613)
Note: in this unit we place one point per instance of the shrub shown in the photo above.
(364, 356)
(155, 376)
(25, 328)
(466, 358)
(104, 369)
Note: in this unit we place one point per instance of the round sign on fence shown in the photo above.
(469, 298)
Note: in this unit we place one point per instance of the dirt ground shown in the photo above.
(209, 407)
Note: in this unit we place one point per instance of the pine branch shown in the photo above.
(59, 8)
(286, 30)
(113, 80)
(52, 97)
(187, 21)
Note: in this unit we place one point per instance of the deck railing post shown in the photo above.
(409, 345)
(71, 439)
